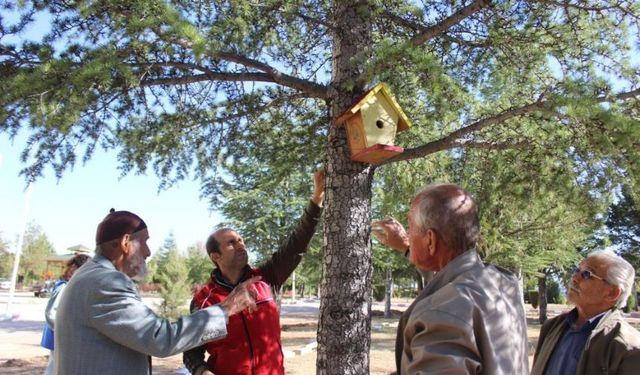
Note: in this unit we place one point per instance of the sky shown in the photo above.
(69, 210)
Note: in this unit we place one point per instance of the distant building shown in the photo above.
(55, 263)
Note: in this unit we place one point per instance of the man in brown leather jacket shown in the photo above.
(594, 337)
(470, 318)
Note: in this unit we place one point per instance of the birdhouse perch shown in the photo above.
(372, 123)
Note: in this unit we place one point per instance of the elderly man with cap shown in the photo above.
(470, 318)
(103, 326)
(594, 337)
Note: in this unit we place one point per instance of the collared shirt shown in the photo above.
(565, 357)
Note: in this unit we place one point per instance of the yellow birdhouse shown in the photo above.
(372, 123)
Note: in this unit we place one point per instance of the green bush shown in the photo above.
(533, 298)
(632, 303)
(378, 293)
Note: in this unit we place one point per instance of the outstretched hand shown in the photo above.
(391, 233)
(243, 296)
(318, 186)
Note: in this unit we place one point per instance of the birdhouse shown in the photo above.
(372, 123)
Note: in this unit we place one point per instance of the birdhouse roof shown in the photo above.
(403, 120)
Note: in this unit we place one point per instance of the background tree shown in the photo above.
(622, 227)
(6, 258)
(172, 273)
(35, 250)
(622, 232)
(178, 87)
(198, 264)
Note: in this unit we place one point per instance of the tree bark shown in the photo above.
(344, 328)
(542, 298)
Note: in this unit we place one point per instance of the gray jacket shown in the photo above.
(103, 327)
(612, 348)
(468, 320)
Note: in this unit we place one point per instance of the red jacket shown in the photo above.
(252, 345)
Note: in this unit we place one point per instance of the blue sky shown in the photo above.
(70, 209)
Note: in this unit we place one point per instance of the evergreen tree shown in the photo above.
(6, 258)
(200, 87)
(172, 274)
(35, 250)
(623, 228)
(199, 265)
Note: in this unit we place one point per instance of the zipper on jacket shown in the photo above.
(246, 332)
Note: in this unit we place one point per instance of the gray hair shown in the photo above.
(619, 273)
(451, 212)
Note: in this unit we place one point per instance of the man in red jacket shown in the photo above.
(252, 345)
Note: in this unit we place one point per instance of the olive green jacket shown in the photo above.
(612, 348)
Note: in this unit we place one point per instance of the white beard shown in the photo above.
(141, 272)
(137, 265)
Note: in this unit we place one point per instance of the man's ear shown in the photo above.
(214, 256)
(430, 239)
(124, 243)
(614, 294)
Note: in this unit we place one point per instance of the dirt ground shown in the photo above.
(20, 352)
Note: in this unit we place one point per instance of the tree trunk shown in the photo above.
(344, 327)
(420, 280)
(542, 298)
(388, 293)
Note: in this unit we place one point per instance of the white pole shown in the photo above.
(16, 261)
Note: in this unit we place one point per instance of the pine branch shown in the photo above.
(230, 77)
(311, 88)
(439, 29)
(490, 145)
(422, 29)
(622, 96)
(422, 37)
(457, 139)
(609, 8)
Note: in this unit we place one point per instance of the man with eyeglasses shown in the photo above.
(594, 337)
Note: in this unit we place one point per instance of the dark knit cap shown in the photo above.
(117, 224)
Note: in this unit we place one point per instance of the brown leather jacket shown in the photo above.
(468, 320)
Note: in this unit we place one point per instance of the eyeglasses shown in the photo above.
(586, 274)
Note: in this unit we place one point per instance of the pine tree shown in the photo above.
(35, 250)
(6, 258)
(172, 273)
(200, 88)
(623, 227)
(198, 264)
